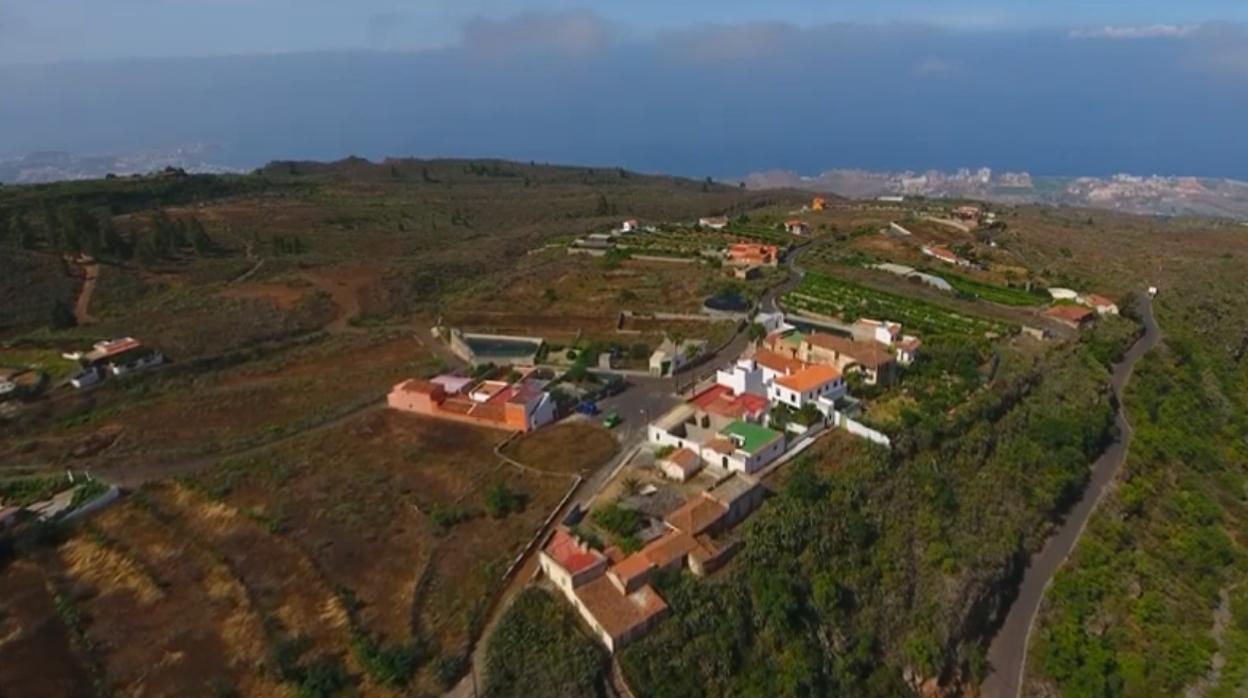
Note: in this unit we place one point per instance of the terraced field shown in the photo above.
(832, 297)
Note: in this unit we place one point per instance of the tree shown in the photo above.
(604, 207)
(757, 332)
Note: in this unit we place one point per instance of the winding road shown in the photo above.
(1007, 655)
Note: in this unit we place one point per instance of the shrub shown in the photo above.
(501, 500)
(389, 665)
(445, 516)
(538, 651)
(617, 519)
(323, 679)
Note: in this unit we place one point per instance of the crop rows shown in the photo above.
(833, 297)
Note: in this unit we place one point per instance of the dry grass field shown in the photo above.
(200, 584)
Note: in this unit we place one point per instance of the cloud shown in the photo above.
(1148, 31)
(576, 32)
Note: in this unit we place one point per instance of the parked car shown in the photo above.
(612, 420)
(588, 408)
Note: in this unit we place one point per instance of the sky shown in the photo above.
(63, 30)
(720, 88)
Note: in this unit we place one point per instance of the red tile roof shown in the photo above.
(632, 567)
(571, 554)
(685, 459)
(697, 515)
(668, 548)
(618, 614)
(809, 378)
(719, 400)
(1098, 301)
(778, 362)
(1069, 313)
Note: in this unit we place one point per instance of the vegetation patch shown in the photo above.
(538, 651)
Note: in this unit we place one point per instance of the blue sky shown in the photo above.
(70, 30)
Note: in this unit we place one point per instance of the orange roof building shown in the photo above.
(617, 618)
(1073, 316)
(810, 379)
(752, 253)
(521, 406)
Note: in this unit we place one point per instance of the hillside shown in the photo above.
(284, 534)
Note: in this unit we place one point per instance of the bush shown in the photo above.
(617, 520)
(444, 517)
(325, 678)
(391, 665)
(500, 501)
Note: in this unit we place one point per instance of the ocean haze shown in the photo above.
(718, 100)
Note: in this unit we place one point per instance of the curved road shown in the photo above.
(1007, 655)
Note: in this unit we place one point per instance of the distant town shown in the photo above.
(1147, 195)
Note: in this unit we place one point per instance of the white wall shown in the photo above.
(860, 429)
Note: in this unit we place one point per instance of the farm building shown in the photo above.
(797, 227)
(1099, 303)
(1073, 316)
(753, 254)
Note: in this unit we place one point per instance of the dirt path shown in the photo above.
(257, 262)
(91, 276)
(1007, 655)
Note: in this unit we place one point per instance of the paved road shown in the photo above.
(1008, 652)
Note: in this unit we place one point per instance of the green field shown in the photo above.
(829, 296)
(1005, 295)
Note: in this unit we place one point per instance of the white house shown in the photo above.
(744, 447)
(885, 333)
(1099, 303)
(629, 226)
(745, 376)
(771, 322)
(908, 350)
(680, 465)
(808, 386)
